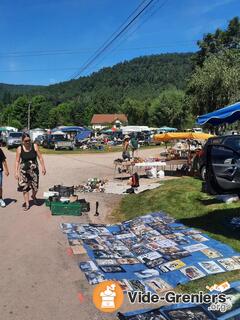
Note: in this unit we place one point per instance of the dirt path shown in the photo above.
(39, 281)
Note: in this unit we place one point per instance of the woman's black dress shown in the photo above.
(29, 172)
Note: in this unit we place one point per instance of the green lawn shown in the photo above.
(182, 198)
(106, 149)
(80, 151)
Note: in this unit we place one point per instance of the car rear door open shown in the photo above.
(223, 169)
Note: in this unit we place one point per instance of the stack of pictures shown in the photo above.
(153, 252)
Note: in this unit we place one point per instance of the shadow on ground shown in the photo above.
(8, 201)
(217, 222)
(39, 202)
(208, 202)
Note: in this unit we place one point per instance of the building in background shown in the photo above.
(100, 121)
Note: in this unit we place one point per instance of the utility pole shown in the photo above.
(29, 116)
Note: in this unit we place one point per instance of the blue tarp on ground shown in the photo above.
(164, 240)
(227, 114)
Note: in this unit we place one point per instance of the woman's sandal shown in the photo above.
(26, 207)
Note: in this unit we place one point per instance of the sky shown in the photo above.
(48, 41)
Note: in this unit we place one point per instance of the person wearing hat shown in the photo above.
(126, 153)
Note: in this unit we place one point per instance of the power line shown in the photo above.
(87, 50)
(95, 56)
(114, 33)
(46, 69)
(134, 30)
(137, 65)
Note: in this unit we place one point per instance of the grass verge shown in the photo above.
(183, 199)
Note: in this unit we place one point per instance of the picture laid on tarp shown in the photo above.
(192, 311)
(150, 253)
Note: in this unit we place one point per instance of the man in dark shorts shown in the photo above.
(3, 167)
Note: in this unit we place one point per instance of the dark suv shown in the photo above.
(57, 141)
(222, 160)
(229, 140)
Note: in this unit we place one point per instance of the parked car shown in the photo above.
(202, 155)
(57, 142)
(223, 165)
(39, 139)
(34, 133)
(14, 140)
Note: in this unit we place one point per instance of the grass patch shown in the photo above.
(106, 149)
(182, 198)
(80, 151)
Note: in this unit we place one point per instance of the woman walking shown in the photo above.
(26, 169)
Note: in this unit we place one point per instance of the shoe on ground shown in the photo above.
(2, 203)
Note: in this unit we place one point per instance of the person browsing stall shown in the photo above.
(27, 170)
(3, 168)
(126, 145)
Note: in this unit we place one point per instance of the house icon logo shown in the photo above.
(108, 296)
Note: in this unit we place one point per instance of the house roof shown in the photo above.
(108, 118)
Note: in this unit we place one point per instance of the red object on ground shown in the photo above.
(80, 297)
(69, 252)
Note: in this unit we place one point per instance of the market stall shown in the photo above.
(123, 167)
(168, 136)
(184, 150)
(227, 114)
(153, 168)
(128, 167)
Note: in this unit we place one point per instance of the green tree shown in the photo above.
(168, 109)
(18, 112)
(40, 108)
(216, 83)
(218, 41)
(61, 115)
(137, 111)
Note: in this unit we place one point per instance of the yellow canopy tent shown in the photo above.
(164, 137)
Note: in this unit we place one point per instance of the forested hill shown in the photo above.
(132, 87)
(143, 77)
(157, 90)
(8, 92)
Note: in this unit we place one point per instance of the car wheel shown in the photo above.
(203, 173)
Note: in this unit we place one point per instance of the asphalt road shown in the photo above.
(38, 278)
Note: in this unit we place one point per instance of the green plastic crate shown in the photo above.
(48, 203)
(69, 209)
